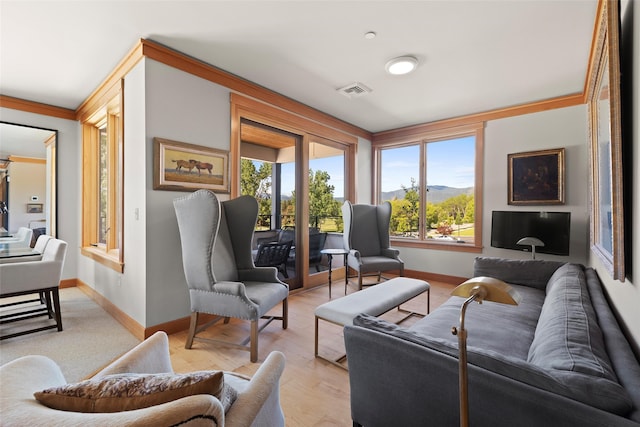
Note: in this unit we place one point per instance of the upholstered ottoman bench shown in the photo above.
(373, 301)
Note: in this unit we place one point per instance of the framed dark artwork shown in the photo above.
(605, 135)
(536, 177)
(179, 166)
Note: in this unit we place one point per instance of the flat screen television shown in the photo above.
(553, 228)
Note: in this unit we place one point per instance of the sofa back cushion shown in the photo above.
(532, 273)
(569, 344)
(568, 336)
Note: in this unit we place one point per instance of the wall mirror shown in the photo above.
(28, 179)
(607, 214)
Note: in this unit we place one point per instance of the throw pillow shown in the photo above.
(126, 392)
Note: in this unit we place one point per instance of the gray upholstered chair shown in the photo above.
(366, 237)
(216, 254)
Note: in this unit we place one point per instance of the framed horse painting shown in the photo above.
(179, 166)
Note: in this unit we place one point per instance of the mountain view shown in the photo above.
(437, 193)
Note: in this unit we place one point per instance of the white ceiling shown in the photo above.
(23, 141)
(475, 55)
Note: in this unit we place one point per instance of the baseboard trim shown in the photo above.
(182, 324)
(424, 275)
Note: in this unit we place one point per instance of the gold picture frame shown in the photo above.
(605, 129)
(34, 208)
(180, 166)
(536, 177)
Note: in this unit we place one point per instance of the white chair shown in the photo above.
(21, 238)
(34, 277)
(258, 402)
(34, 254)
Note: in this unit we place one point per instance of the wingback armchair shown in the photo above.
(222, 278)
(366, 237)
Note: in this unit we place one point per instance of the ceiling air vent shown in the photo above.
(354, 90)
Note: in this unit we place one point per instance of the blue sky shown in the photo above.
(448, 163)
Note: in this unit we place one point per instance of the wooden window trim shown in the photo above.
(436, 134)
(110, 254)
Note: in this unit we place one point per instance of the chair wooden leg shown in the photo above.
(56, 307)
(359, 281)
(192, 330)
(226, 320)
(254, 341)
(47, 303)
(285, 313)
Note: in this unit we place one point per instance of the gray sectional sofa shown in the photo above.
(557, 359)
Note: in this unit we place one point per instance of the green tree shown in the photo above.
(257, 183)
(412, 206)
(321, 200)
(456, 207)
(433, 215)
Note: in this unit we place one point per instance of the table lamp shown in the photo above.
(533, 242)
(476, 289)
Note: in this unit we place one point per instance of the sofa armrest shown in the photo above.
(258, 401)
(390, 252)
(151, 356)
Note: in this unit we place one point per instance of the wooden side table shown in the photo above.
(330, 253)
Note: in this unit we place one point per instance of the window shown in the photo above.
(433, 184)
(102, 185)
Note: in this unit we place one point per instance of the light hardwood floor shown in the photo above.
(313, 392)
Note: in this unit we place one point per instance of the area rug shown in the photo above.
(90, 339)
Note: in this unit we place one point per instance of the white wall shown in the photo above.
(565, 127)
(69, 179)
(128, 290)
(27, 179)
(625, 296)
(184, 108)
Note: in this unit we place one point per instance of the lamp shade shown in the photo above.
(490, 289)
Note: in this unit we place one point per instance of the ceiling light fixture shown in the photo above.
(370, 35)
(401, 65)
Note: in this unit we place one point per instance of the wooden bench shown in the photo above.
(373, 301)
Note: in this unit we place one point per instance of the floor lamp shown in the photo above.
(476, 289)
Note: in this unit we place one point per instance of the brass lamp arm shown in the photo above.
(478, 293)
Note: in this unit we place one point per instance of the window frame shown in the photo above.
(401, 139)
(109, 113)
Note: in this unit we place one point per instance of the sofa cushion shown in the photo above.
(532, 273)
(126, 392)
(502, 328)
(568, 342)
(568, 336)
